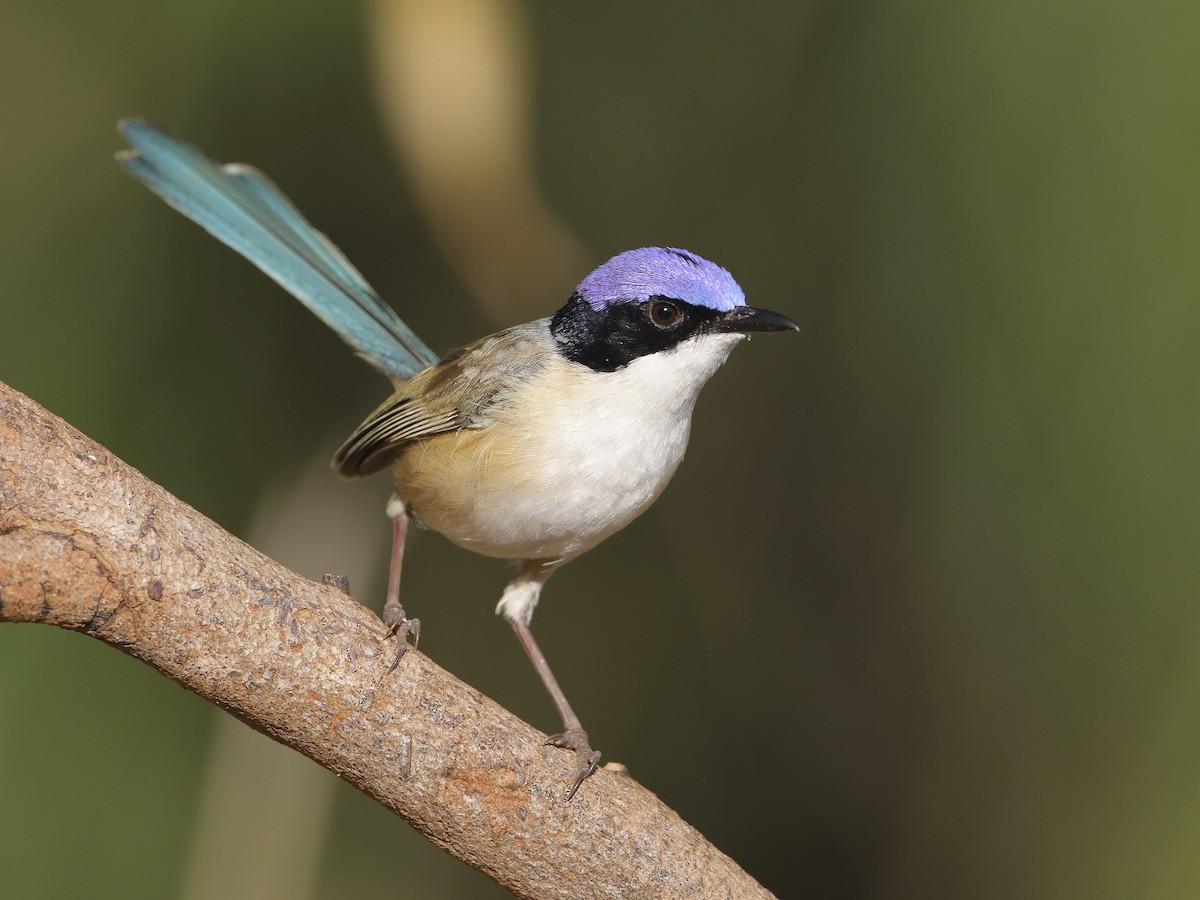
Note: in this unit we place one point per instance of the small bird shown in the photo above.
(532, 444)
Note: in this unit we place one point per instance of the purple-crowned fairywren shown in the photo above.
(532, 444)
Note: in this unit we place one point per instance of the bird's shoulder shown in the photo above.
(473, 378)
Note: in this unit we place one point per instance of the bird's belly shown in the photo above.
(545, 483)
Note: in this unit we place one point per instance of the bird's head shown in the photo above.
(651, 300)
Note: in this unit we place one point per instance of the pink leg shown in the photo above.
(397, 622)
(573, 737)
(534, 652)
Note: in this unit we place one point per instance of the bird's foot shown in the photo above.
(341, 582)
(401, 627)
(588, 759)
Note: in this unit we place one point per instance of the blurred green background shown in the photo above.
(917, 617)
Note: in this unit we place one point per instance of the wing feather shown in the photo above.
(458, 393)
(401, 420)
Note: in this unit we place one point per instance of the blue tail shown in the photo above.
(239, 206)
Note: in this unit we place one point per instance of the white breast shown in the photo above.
(583, 453)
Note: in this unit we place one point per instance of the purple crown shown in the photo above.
(636, 275)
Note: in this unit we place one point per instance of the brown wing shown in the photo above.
(400, 420)
(454, 394)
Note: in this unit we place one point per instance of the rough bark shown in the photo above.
(89, 544)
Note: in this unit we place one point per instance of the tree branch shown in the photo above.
(89, 544)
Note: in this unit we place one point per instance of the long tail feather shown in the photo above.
(242, 208)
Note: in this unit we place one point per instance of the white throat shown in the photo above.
(607, 445)
(673, 377)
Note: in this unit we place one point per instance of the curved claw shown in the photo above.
(588, 759)
(341, 582)
(586, 769)
(403, 629)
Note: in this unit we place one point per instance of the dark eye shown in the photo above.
(665, 314)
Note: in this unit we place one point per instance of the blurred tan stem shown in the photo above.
(89, 544)
(283, 803)
(453, 88)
